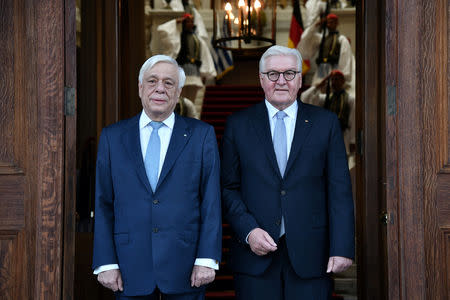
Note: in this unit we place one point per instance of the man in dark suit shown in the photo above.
(286, 190)
(158, 215)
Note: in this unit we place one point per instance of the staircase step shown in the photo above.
(232, 93)
(349, 273)
(221, 295)
(234, 88)
(216, 114)
(348, 297)
(223, 107)
(214, 121)
(234, 99)
(345, 286)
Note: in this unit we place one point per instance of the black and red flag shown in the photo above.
(296, 31)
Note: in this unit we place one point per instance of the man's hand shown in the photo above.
(111, 279)
(202, 275)
(261, 242)
(338, 264)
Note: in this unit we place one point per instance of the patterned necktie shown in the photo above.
(280, 142)
(152, 155)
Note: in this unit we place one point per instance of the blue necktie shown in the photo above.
(280, 146)
(279, 141)
(152, 154)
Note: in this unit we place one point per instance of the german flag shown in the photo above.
(296, 31)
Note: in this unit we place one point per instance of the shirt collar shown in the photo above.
(291, 110)
(144, 120)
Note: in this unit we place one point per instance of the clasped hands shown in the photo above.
(261, 243)
(112, 279)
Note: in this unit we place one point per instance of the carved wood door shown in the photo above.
(417, 166)
(34, 153)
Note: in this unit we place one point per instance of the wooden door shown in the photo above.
(32, 149)
(417, 156)
(403, 126)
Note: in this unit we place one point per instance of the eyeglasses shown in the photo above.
(274, 75)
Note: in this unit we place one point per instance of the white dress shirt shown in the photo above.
(165, 133)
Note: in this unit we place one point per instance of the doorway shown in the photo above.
(106, 64)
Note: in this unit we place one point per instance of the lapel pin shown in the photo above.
(185, 134)
(306, 121)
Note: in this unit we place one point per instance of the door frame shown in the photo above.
(70, 151)
(370, 158)
(370, 154)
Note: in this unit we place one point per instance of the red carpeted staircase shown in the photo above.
(222, 287)
(220, 101)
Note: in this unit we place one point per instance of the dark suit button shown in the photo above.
(283, 192)
(155, 230)
(155, 201)
(278, 222)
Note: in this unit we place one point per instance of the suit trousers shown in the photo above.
(280, 282)
(157, 295)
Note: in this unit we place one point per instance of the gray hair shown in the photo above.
(149, 63)
(278, 50)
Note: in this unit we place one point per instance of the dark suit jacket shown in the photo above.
(315, 195)
(156, 237)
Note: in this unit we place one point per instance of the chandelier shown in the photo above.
(244, 25)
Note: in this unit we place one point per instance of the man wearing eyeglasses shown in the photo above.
(286, 190)
(157, 211)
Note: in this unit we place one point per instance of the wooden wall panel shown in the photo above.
(443, 200)
(12, 214)
(7, 81)
(447, 264)
(7, 274)
(12, 178)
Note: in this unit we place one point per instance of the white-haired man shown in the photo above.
(158, 215)
(286, 190)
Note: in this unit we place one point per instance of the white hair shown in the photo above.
(149, 63)
(278, 50)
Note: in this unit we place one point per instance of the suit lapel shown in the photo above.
(132, 142)
(180, 136)
(302, 130)
(262, 127)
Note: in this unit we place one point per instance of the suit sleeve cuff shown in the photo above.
(207, 262)
(105, 268)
